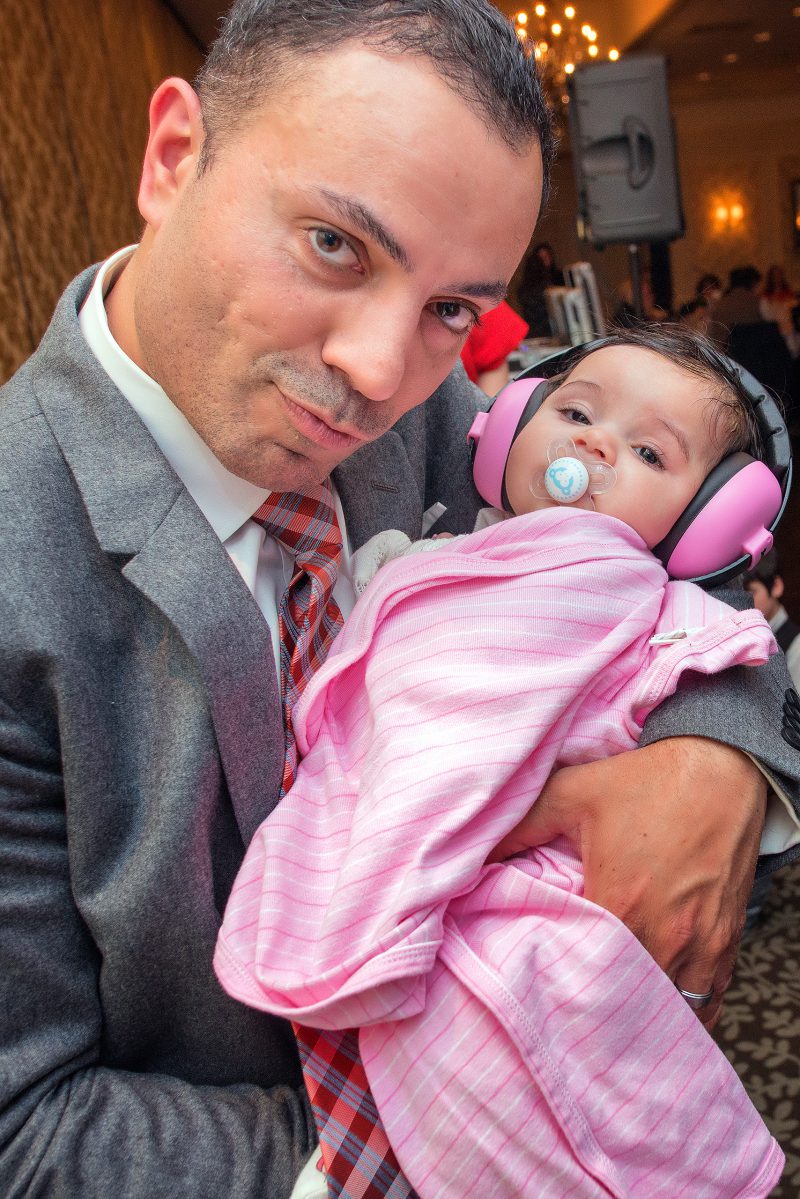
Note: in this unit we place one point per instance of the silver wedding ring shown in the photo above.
(695, 1000)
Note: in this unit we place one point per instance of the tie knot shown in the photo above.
(305, 522)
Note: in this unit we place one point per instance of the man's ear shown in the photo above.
(176, 135)
(777, 588)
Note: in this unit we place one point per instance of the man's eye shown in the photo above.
(331, 246)
(457, 317)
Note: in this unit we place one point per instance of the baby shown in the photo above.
(518, 1040)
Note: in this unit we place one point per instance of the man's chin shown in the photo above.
(280, 469)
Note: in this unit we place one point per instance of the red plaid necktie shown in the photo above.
(358, 1159)
(308, 616)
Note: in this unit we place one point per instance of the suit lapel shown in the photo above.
(141, 513)
(378, 490)
(229, 638)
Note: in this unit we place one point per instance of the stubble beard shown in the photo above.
(327, 392)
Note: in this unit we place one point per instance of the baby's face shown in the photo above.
(646, 417)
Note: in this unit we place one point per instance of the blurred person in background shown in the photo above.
(547, 256)
(626, 313)
(777, 302)
(765, 584)
(696, 312)
(776, 286)
(539, 272)
(739, 305)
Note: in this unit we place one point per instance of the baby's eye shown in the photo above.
(649, 455)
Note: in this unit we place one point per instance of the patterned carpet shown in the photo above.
(760, 1026)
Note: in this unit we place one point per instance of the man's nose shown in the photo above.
(370, 344)
(598, 442)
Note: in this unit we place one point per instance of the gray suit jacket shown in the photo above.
(140, 747)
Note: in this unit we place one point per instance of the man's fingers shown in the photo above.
(710, 970)
(557, 812)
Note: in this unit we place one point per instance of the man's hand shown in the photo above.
(669, 838)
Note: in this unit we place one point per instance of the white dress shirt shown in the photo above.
(226, 501)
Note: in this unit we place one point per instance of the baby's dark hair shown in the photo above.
(732, 422)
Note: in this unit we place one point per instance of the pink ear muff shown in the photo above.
(730, 523)
(492, 434)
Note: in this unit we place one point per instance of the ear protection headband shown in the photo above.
(726, 528)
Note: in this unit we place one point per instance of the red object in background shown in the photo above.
(497, 333)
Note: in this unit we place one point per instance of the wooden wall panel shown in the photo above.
(82, 64)
(167, 49)
(75, 80)
(131, 90)
(44, 201)
(16, 330)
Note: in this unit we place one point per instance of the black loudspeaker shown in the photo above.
(623, 152)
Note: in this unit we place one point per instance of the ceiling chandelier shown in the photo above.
(559, 41)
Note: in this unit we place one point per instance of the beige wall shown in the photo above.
(75, 80)
(753, 152)
(628, 19)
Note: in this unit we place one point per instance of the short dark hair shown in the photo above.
(766, 571)
(472, 46)
(733, 423)
(708, 280)
(748, 277)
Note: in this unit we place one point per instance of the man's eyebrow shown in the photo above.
(492, 289)
(679, 436)
(362, 218)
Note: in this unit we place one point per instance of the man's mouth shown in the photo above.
(320, 429)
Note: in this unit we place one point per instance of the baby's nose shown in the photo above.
(598, 442)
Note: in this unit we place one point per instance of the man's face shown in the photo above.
(319, 279)
(638, 412)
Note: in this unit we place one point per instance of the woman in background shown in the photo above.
(540, 272)
(777, 302)
(777, 287)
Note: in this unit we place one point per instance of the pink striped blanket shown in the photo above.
(519, 1041)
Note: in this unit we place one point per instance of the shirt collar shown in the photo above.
(225, 500)
(779, 619)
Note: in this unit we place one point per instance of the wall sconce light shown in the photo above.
(727, 213)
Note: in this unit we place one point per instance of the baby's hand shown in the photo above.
(375, 553)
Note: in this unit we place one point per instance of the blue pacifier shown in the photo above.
(572, 474)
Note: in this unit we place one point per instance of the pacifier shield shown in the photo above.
(566, 480)
(571, 474)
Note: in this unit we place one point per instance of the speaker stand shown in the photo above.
(636, 279)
